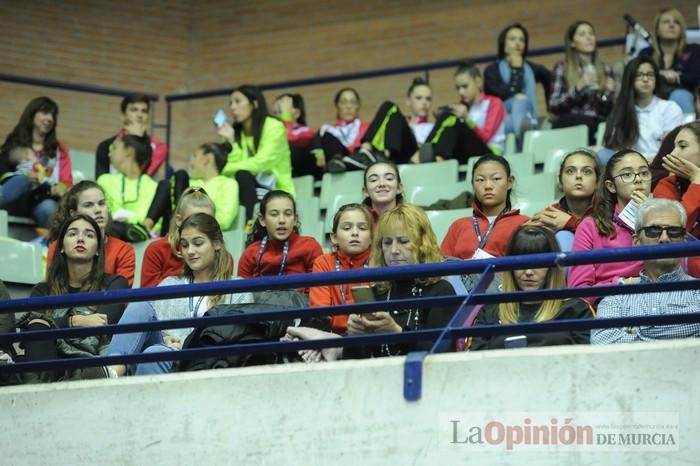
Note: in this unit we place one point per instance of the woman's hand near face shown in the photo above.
(226, 132)
(554, 218)
(682, 168)
(515, 60)
(638, 197)
(460, 111)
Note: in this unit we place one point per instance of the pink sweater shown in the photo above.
(588, 238)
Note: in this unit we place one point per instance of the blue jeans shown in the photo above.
(565, 239)
(519, 108)
(684, 99)
(142, 342)
(16, 197)
(605, 154)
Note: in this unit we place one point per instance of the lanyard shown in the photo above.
(477, 230)
(138, 190)
(193, 309)
(343, 292)
(285, 253)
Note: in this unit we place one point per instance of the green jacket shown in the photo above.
(224, 192)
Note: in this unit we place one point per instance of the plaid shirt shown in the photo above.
(565, 99)
(648, 304)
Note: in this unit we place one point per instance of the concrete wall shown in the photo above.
(353, 412)
(168, 47)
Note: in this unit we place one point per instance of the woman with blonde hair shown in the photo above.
(531, 239)
(679, 62)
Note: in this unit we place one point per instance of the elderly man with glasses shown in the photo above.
(659, 221)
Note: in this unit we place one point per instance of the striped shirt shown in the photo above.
(649, 304)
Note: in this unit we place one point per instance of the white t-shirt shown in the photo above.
(656, 119)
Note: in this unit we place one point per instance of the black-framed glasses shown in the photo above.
(650, 75)
(655, 231)
(629, 177)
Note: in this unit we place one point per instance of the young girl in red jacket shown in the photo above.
(275, 246)
(351, 238)
(487, 232)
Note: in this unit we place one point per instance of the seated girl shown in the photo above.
(403, 237)
(306, 159)
(162, 257)
(205, 260)
(627, 179)
(383, 189)
(487, 232)
(341, 139)
(275, 246)
(513, 79)
(678, 60)
(578, 178)
(206, 165)
(88, 198)
(260, 160)
(583, 89)
(639, 119)
(530, 239)
(351, 238)
(77, 266)
(129, 191)
(473, 127)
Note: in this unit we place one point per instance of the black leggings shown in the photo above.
(165, 200)
(399, 138)
(456, 141)
(249, 192)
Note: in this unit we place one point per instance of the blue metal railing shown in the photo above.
(441, 337)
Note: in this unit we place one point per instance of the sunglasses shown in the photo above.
(654, 231)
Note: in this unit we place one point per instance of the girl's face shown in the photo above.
(687, 146)
(353, 235)
(241, 108)
(530, 279)
(279, 219)
(119, 154)
(398, 248)
(491, 184)
(644, 81)
(578, 177)
(515, 42)
(348, 106)
(191, 210)
(420, 101)
(630, 164)
(80, 242)
(198, 251)
(382, 185)
(91, 202)
(198, 163)
(468, 88)
(584, 40)
(669, 27)
(43, 122)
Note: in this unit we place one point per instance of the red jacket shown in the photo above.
(461, 240)
(666, 188)
(332, 295)
(298, 135)
(159, 262)
(303, 250)
(120, 258)
(573, 222)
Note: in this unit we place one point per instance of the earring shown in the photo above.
(62, 251)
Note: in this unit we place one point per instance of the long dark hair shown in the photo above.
(258, 115)
(68, 204)
(399, 197)
(605, 201)
(506, 166)
(259, 231)
(219, 152)
(622, 128)
(57, 276)
(657, 169)
(502, 39)
(21, 135)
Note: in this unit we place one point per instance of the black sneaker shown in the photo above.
(336, 165)
(95, 372)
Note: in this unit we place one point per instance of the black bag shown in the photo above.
(255, 332)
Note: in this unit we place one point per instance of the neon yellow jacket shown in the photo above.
(134, 196)
(273, 155)
(224, 192)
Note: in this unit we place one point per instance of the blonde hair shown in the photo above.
(415, 222)
(192, 197)
(572, 61)
(678, 16)
(531, 239)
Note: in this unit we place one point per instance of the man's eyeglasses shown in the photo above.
(655, 231)
(629, 177)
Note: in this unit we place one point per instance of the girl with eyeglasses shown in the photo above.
(627, 179)
(683, 182)
(275, 246)
(639, 119)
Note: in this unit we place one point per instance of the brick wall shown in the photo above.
(168, 47)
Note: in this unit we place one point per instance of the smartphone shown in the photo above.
(515, 342)
(362, 294)
(220, 118)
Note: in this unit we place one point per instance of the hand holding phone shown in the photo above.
(219, 118)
